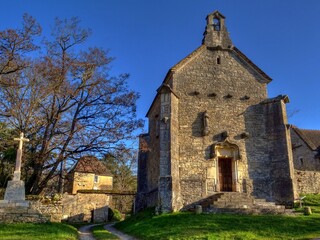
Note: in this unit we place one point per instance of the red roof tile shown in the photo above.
(310, 137)
(90, 164)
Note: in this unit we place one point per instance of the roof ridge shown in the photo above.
(188, 58)
(305, 138)
(304, 129)
(91, 164)
(252, 64)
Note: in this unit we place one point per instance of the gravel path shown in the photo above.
(85, 232)
(116, 232)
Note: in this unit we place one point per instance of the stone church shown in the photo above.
(213, 129)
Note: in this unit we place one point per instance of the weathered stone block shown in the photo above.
(15, 191)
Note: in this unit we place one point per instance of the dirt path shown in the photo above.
(116, 232)
(85, 232)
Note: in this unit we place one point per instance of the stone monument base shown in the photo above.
(15, 213)
(15, 191)
(15, 209)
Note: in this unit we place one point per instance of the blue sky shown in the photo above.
(148, 37)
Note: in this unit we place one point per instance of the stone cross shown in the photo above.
(17, 170)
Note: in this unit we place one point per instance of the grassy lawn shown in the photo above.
(313, 201)
(101, 234)
(30, 231)
(146, 225)
(220, 226)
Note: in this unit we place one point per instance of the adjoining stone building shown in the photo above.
(306, 159)
(212, 128)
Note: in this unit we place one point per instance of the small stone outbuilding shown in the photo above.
(213, 128)
(89, 174)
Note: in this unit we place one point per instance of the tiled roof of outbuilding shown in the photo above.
(90, 164)
(310, 137)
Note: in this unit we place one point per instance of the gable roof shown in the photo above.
(233, 49)
(217, 13)
(198, 51)
(310, 137)
(90, 164)
(255, 67)
(163, 86)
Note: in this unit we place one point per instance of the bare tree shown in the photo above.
(67, 104)
(15, 44)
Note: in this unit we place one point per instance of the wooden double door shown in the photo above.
(225, 174)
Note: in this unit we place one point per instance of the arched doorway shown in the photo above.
(226, 157)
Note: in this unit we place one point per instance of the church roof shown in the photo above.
(90, 164)
(194, 54)
(200, 49)
(255, 67)
(310, 137)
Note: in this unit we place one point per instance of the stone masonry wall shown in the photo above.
(303, 157)
(283, 189)
(174, 154)
(149, 161)
(21, 214)
(257, 153)
(75, 208)
(225, 91)
(308, 181)
(86, 181)
(307, 167)
(154, 156)
(165, 178)
(144, 141)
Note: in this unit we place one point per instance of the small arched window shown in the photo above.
(216, 24)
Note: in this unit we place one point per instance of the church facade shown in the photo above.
(212, 128)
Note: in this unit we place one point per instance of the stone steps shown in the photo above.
(240, 203)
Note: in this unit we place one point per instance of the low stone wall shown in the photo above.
(308, 181)
(85, 207)
(81, 207)
(14, 214)
(47, 206)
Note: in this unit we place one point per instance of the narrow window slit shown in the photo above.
(218, 60)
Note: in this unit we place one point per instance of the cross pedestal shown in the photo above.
(15, 191)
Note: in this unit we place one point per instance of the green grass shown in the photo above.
(146, 225)
(32, 231)
(101, 234)
(313, 201)
(310, 200)
(220, 226)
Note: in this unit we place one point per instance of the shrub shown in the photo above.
(114, 215)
